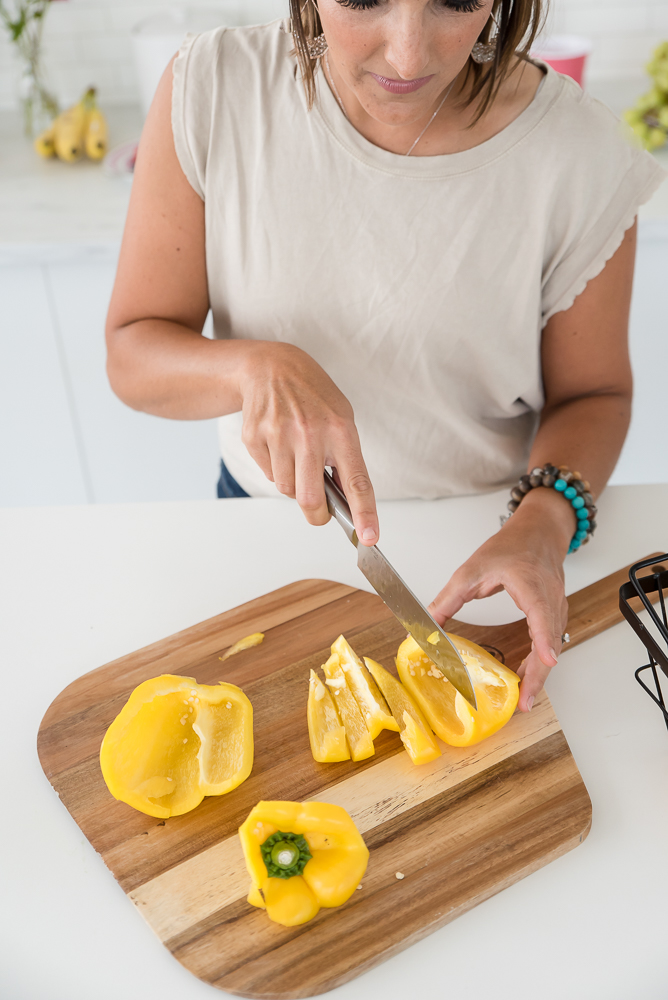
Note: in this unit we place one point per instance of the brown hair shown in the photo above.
(517, 24)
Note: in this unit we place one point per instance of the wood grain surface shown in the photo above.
(460, 828)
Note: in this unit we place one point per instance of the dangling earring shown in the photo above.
(482, 53)
(485, 52)
(317, 47)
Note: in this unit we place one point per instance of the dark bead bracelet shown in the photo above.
(572, 486)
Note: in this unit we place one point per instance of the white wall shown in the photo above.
(88, 42)
(624, 32)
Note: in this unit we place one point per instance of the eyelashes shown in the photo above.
(458, 6)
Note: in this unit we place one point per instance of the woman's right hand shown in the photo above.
(295, 419)
(296, 422)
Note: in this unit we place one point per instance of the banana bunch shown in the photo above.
(81, 129)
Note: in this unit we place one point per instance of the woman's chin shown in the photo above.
(395, 113)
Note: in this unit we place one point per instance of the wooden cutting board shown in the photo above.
(460, 828)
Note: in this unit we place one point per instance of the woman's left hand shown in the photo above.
(526, 559)
(588, 386)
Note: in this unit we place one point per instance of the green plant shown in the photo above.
(649, 118)
(24, 20)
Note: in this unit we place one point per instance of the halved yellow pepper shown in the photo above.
(301, 856)
(415, 734)
(449, 714)
(175, 741)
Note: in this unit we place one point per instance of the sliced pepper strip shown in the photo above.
(338, 861)
(326, 734)
(372, 704)
(247, 642)
(414, 731)
(357, 733)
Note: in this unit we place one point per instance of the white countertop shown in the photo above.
(83, 585)
(46, 201)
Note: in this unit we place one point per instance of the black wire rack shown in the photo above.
(655, 582)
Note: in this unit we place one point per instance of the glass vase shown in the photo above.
(39, 105)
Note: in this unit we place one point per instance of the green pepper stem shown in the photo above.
(285, 854)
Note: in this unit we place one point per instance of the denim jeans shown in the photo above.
(228, 486)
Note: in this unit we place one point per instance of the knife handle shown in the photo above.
(338, 508)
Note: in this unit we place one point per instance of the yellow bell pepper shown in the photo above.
(247, 642)
(326, 734)
(175, 741)
(414, 732)
(357, 733)
(371, 703)
(301, 856)
(449, 714)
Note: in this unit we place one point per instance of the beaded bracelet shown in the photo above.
(572, 486)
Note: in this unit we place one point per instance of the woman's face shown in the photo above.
(398, 56)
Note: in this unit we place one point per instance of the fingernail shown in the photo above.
(530, 702)
(368, 535)
(553, 655)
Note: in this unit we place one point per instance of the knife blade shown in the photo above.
(401, 601)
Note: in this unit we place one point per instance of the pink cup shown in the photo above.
(565, 53)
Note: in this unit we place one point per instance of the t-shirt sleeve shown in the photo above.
(594, 202)
(193, 94)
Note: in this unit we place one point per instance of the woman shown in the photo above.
(418, 249)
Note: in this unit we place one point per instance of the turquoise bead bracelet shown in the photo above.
(575, 489)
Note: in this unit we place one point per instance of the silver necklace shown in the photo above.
(338, 98)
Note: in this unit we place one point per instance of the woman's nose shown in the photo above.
(406, 47)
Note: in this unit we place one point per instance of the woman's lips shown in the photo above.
(401, 86)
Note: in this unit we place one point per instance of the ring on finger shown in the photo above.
(565, 637)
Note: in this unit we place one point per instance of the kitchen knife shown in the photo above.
(401, 601)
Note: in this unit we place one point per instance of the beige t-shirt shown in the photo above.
(420, 284)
